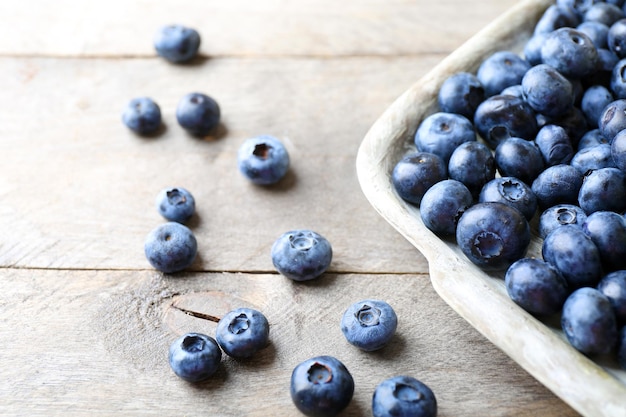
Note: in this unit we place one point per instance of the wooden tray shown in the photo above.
(592, 387)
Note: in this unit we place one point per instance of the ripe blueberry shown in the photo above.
(242, 332)
(142, 115)
(301, 255)
(170, 247)
(175, 204)
(194, 357)
(263, 160)
(198, 113)
(369, 324)
(177, 43)
(403, 396)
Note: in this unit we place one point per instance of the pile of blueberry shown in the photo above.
(538, 138)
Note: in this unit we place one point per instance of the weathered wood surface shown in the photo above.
(85, 323)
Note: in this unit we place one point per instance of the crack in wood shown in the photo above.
(197, 314)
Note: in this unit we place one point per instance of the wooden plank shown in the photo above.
(77, 188)
(244, 27)
(87, 342)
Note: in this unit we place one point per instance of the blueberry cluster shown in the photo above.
(538, 136)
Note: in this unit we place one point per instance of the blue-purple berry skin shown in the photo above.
(321, 386)
(415, 173)
(558, 184)
(403, 396)
(588, 322)
(369, 324)
(591, 138)
(198, 113)
(570, 52)
(616, 38)
(510, 191)
(301, 254)
(194, 357)
(142, 115)
(473, 164)
(500, 70)
(176, 204)
(501, 117)
(560, 215)
(618, 150)
(547, 91)
(574, 255)
(618, 80)
(555, 145)
(613, 286)
(593, 157)
(613, 119)
(461, 93)
(607, 230)
(263, 160)
(171, 247)
(594, 100)
(557, 16)
(441, 133)
(177, 43)
(242, 332)
(442, 206)
(603, 189)
(603, 12)
(596, 31)
(519, 158)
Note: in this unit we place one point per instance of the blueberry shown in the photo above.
(510, 191)
(570, 52)
(175, 204)
(560, 215)
(443, 204)
(493, 235)
(170, 247)
(574, 255)
(500, 70)
(403, 396)
(605, 13)
(536, 286)
(142, 115)
(555, 145)
(194, 357)
(580, 7)
(532, 48)
(574, 123)
(603, 189)
(589, 322)
(591, 138)
(593, 157)
(616, 38)
(618, 150)
(369, 324)
(461, 93)
(607, 230)
(177, 43)
(613, 119)
(596, 31)
(519, 158)
(321, 386)
(198, 113)
(503, 116)
(594, 100)
(557, 16)
(414, 174)
(301, 255)
(264, 160)
(242, 332)
(547, 91)
(618, 79)
(472, 163)
(441, 133)
(613, 286)
(558, 184)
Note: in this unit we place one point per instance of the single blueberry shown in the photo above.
(403, 396)
(415, 173)
(142, 115)
(613, 286)
(618, 150)
(560, 215)
(596, 31)
(500, 70)
(194, 357)
(503, 116)
(301, 255)
(607, 230)
(177, 43)
(170, 247)
(547, 91)
(264, 160)
(198, 113)
(616, 38)
(592, 138)
(443, 204)
(441, 133)
(558, 184)
(593, 157)
(574, 255)
(519, 158)
(242, 332)
(570, 52)
(493, 235)
(461, 93)
(175, 204)
(589, 322)
(613, 119)
(618, 79)
(321, 386)
(604, 13)
(536, 286)
(557, 16)
(472, 163)
(593, 102)
(510, 191)
(603, 189)
(555, 145)
(369, 324)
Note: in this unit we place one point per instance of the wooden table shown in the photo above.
(85, 323)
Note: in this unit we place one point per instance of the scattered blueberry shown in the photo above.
(570, 52)
(198, 113)
(175, 204)
(142, 115)
(461, 93)
(441, 133)
(170, 247)
(547, 91)
(560, 215)
(321, 386)
(473, 164)
(510, 191)
(194, 357)
(177, 43)
(558, 184)
(264, 160)
(503, 116)
(500, 70)
(555, 145)
(443, 204)
(403, 396)
(242, 332)
(603, 189)
(301, 255)
(519, 158)
(369, 324)
(593, 157)
(414, 174)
